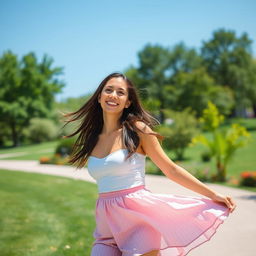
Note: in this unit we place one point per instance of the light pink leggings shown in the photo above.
(106, 250)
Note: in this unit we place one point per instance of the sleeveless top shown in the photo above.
(114, 173)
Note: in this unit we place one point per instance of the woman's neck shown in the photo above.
(111, 124)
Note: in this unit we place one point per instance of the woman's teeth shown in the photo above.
(111, 103)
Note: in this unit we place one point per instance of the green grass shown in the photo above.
(33, 152)
(41, 214)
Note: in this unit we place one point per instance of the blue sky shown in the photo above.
(91, 39)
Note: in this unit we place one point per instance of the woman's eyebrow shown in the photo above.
(111, 86)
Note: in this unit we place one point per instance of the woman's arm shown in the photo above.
(153, 149)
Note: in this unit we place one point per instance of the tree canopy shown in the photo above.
(27, 89)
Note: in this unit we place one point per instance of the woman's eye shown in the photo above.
(119, 92)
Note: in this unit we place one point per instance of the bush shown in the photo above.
(62, 152)
(151, 168)
(248, 178)
(179, 129)
(206, 156)
(202, 175)
(41, 129)
(64, 147)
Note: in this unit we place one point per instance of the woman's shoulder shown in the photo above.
(143, 126)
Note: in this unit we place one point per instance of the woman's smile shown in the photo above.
(112, 104)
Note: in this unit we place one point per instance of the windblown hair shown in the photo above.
(91, 123)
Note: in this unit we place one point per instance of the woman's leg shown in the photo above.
(106, 250)
(152, 253)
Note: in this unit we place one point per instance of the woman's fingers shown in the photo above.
(230, 203)
(226, 200)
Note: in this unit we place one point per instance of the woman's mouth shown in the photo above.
(111, 103)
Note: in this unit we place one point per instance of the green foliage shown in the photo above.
(71, 104)
(196, 88)
(228, 59)
(41, 129)
(179, 132)
(211, 118)
(154, 76)
(64, 147)
(206, 156)
(223, 143)
(203, 175)
(27, 89)
(151, 168)
(224, 72)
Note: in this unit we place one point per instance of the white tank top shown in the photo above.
(114, 173)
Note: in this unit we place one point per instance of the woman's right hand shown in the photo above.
(219, 198)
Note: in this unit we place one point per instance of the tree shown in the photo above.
(155, 74)
(194, 89)
(27, 90)
(228, 60)
(179, 129)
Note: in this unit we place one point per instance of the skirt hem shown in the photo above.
(216, 223)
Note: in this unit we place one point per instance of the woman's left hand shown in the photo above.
(226, 200)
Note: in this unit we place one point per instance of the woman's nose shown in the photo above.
(114, 93)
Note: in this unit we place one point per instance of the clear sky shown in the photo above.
(91, 39)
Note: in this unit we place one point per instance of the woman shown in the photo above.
(115, 136)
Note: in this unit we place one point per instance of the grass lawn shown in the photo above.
(45, 215)
(32, 152)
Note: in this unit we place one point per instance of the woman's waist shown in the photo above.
(121, 191)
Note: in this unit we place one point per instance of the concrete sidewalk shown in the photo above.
(236, 237)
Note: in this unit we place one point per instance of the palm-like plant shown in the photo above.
(223, 143)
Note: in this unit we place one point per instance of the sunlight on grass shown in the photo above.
(45, 215)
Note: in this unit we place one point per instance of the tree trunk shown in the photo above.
(232, 113)
(221, 175)
(15, 137)
(254, 110)
(162, 117)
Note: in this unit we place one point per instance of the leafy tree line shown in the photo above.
(177, 78)
(223, 71)
(27, 89)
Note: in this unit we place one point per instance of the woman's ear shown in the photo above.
(127, 105)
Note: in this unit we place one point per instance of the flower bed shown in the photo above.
(248, 178)
(55, 159)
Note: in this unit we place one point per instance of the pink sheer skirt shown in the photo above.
(135, 221)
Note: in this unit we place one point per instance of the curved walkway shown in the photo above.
(235, 237)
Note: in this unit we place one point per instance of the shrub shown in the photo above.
(64, 147)
(151, 168)
(202, 175)
(41, 129)
(206, 156)
(248, 178)
(179, 129)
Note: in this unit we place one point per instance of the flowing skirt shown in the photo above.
(136, 221)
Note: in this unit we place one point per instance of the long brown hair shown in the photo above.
(91, 124)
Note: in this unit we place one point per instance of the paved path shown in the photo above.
(236, 237)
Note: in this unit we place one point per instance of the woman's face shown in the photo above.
(114, 96)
